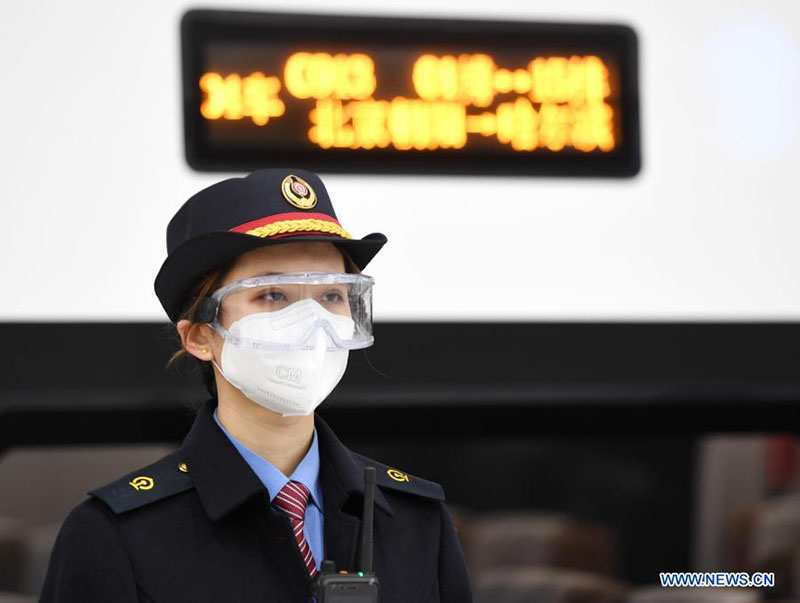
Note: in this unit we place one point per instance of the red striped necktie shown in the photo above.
(293, 499)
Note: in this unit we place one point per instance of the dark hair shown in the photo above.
(203, 287)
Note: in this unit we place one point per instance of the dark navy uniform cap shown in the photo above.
(232, 217)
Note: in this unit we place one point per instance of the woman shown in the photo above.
(265, 289)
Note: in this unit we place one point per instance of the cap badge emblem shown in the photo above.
(298, 192)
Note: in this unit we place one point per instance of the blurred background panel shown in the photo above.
(94, 137)
(620, 353)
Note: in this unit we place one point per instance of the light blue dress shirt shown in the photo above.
(307, 473)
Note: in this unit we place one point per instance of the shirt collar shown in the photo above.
(224, 481)
(306, 472)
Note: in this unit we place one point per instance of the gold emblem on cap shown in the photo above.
(397, 476)
(142, 483)
(298, 192)
(183, 467)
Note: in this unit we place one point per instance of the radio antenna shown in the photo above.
(366, 520)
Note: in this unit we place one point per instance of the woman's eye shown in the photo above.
(273, 296)
(332, 297)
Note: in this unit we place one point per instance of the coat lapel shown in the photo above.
(224, 482)
(222, 478)
(341, 529)
(343, 498)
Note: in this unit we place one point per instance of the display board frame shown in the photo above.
(201, 28)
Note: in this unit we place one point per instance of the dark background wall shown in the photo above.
(598, 421)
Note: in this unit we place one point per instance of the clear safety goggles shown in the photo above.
(284, 311)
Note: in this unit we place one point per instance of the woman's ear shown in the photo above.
(196, 338)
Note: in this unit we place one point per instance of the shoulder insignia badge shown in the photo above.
(142, 482)
(167, 476)
(388, 477)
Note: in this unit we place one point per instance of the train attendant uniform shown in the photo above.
(213, 521)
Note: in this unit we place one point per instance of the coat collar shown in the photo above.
(342, 471)
(222, 478)
(224, 481)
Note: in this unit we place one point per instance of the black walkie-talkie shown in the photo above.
(331, 586)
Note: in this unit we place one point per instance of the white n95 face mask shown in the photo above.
(293, 381)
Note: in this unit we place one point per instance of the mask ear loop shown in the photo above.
(218, 368)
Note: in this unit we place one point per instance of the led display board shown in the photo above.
(409, 95)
